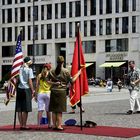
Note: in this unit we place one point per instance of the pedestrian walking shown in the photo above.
(119, 84)
(133, 86)
(109, 85)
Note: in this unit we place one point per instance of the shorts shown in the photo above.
(43, 100)
(24, 100)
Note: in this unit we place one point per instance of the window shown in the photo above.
(108, 26)
(3, 16)
(49, 31)
(85, 7)
(125, 25)
(100, 27)
(42, 12)
(116, 45)
(85, 28)
(133, 5)
(63, 10)
(29, 13)
(108, 6)
(63, 30)
(49, 11)
(9, 34)
(9, 1)
(3, 2)
(89, 46)
(36, 32)
(16, 33)
(122, 45)
(9, 15)
(56, 11)
(16, 1)
(101, 7)
(133, 24)
(56, 30)
(29, 32)
(3, 34)
(22, 14)
(16, 15)
(93, 7)
(40, 49)
(93, 27)
(35, 13)
(125, 5)
(117, 25)
(22, 1)
(42, 32)
(8, 51)
(70, 29)
(117, 6)
(77, 9)
(70, 9)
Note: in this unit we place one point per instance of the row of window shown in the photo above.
(114, 45)
(61, 29)
(4, 2)
(46, 10)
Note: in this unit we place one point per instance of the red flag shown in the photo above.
(81, 83)
(18, 61)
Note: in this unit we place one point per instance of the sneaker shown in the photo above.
(129, 112)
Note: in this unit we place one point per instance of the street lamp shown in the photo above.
(34, 70)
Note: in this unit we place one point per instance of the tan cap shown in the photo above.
(60, 59)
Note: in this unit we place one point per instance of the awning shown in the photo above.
(88, 64)
(111, 64)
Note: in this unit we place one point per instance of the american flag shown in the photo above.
(18, 61)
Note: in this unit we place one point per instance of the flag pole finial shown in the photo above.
(78, 24)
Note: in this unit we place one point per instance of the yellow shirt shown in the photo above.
(44, 87)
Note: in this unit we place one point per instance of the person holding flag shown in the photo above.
(25, 92)
(59, 78)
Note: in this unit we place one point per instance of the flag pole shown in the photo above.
(79, 67)
(15, 116)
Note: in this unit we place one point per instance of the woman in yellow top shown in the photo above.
(43, 94)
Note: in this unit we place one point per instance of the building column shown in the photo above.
(97, 7)
(88, 7)
(104, 26)
(120, 25)
(113, 6)
(59, 10)
(6, 17)
(45, 31)
(130, 24)
(45, 12)
(120, 6)
(97, 27)
(88, 28)
(73, 9)
(67, 9)
(130, 5)
(59, 30)
(113, 26)
(104, 6)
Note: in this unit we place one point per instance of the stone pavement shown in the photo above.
(106, 109)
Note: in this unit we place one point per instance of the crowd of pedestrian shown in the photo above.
(51, 89)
